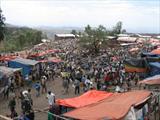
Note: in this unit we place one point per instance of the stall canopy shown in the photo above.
(87, 98)
(25, 61)
(153, 59)
(55, 60)
(148, 55)
(40, 54)
(7, 71)
(136, 65)
(7, 58)
(154, 68)
(25, 64)
(113, 107)
(155, 80)
(156, 51)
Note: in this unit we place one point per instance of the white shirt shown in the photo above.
(51, 98)
(25, 92)
(118, 89)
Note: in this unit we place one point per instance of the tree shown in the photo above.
(124, 31)
(93, 38)
(74, 32)
(118, 28)
(2, 26)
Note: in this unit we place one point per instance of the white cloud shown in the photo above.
(134, 15)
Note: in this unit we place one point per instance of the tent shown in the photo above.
(127, 39)
(26, 65)
(5, 71)
(87, 98)
(8, 71)
(154, 80)
(114, 107)
(136, 65)
(153, 59)
(148, 55)
(54, 60)
(154, 68)
(156, 51)
(7, 58)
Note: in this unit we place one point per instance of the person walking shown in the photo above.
(29, 96)
(65, 85)
(12, 105)
(43, 84)
(51, 99)
(6, 92)
(38, 88)
(77, 86)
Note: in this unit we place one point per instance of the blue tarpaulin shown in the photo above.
(25, 64)
(148, 55)
(154, 68)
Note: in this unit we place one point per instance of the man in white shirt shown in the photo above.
(51, 98)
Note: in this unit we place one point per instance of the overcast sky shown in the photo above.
(136, 15)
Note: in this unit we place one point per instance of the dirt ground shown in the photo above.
(39, 102)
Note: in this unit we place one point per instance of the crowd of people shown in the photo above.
(104, 71)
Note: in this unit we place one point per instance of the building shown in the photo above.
(127, 39)
(64, 36)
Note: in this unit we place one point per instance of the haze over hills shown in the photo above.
(51, 31)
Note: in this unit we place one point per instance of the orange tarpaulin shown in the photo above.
(87, 98)
(113, 107)
(156, 51)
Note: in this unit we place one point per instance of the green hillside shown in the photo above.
(18, 38)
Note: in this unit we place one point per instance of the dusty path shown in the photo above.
(39, 102)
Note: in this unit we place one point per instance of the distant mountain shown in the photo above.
(15, 26)
(10, 25)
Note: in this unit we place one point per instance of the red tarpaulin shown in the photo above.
(114, 107)
(44, 53)
(87, 98)
(7, 58)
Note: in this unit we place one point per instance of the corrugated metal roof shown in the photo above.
(26, 61)
(127, 39)
(65, 35)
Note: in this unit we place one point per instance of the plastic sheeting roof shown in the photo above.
(154, 80)
(113, 107)
(65, 35)
(87, 98)
(7, 71)
(26, 61)
(155, 64)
